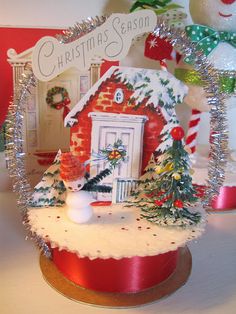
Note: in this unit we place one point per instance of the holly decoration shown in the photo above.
(113, 154)
(169, 199)
(158, 6)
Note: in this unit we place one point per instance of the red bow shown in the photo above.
(64, 104)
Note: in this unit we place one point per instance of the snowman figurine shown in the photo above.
(214, 32)
(78, 202)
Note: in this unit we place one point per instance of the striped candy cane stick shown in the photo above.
(193, 128)
(163, 65)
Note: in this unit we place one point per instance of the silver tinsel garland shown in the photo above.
(178, 38)
(81, 29)
(14, 151)
(216, 101)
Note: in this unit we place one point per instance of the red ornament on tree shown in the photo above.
(177, 133)
(158, 202)
(178, 204)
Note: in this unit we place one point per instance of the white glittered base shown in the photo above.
(114, 231)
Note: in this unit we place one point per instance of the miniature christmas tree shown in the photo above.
(166, 138)
(50, 191)
(168, 198)
(149, 171)
(144, 181)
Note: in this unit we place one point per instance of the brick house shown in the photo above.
(109, 112)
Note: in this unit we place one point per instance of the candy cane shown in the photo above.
(193, 129)
(163, 65)
(175, 57)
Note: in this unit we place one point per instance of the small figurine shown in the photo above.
(214, 33)
(78, 202)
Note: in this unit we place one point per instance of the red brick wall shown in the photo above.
(102, 101)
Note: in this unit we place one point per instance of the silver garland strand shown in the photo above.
(15, 155)
(81, 29)
(178, 38)
(216, 101)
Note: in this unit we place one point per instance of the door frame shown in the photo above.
(114, 120)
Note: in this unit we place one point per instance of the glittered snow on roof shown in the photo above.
(160, 88)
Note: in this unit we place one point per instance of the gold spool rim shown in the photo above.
(118, 300)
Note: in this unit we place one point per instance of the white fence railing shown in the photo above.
(122, 188)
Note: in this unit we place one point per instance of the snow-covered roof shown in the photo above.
(161, 89)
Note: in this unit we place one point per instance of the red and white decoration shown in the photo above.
(193, 128)
(78, 202)
(109, 241)
(220, 15)
(159, 49)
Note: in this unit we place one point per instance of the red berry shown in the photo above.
(177, 133)
(158, 202)
(178, 204)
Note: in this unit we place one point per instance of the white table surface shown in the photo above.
(211, 287)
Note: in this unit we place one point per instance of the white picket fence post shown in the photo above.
(122, 188)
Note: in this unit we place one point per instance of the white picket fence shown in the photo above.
(122, 188)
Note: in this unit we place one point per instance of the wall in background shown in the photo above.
(58, 13)
(18, 20)
(20, 39)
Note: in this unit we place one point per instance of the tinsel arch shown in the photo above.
(180, 41)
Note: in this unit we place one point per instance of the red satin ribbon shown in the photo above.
(64, 104)
(226, 199)
(110, 275)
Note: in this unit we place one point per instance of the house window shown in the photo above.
(84, 83)
(119, 96)
(31, 119)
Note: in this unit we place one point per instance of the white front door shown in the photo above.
(107, 128)
(109, 135)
